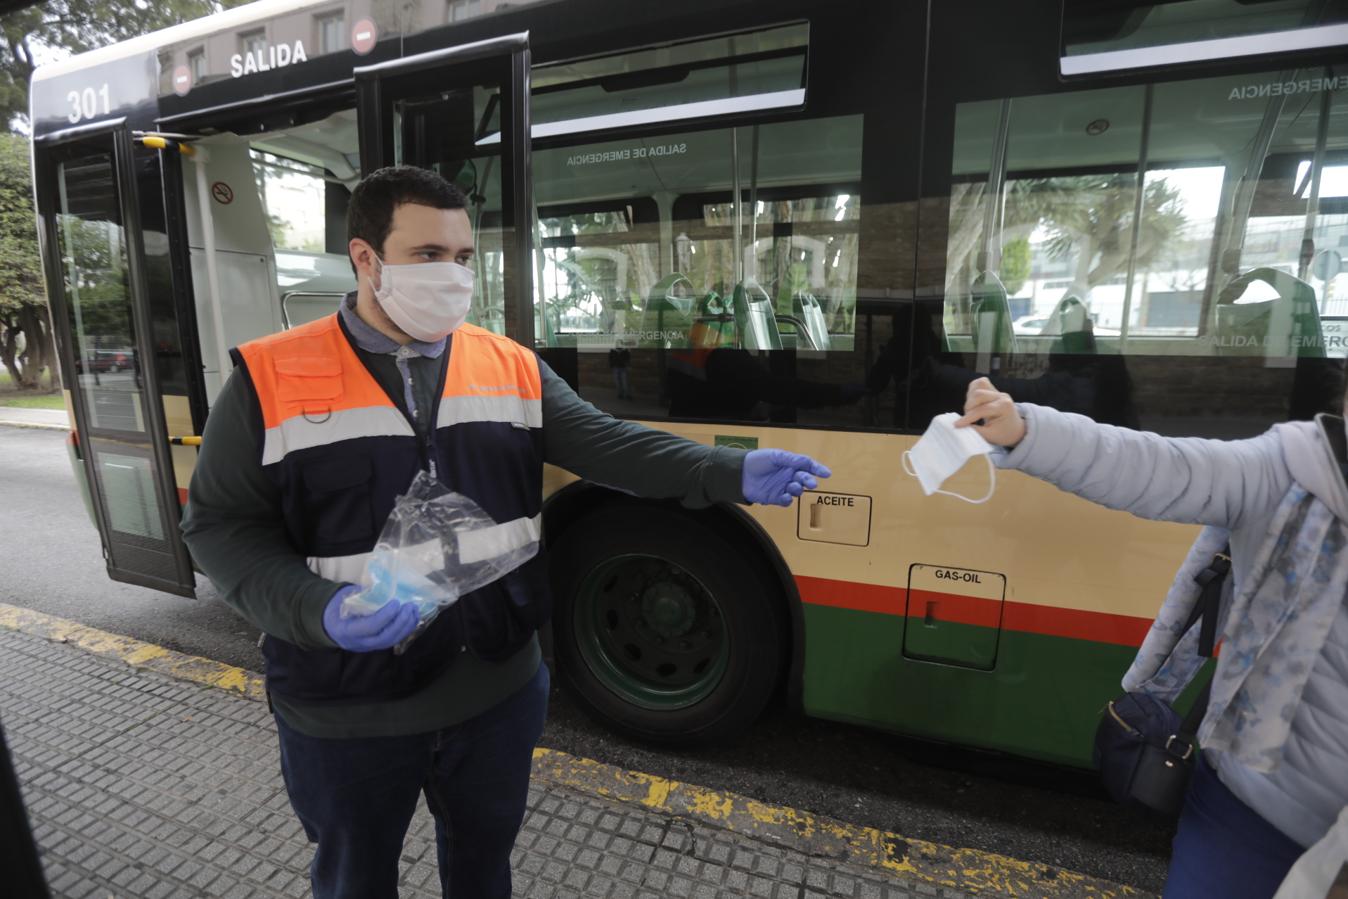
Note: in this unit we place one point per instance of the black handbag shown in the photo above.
(1144, 750)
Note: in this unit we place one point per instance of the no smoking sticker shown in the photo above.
(223, 193)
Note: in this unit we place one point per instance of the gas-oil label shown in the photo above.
(960, 581)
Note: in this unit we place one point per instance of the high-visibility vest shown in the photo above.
(340, 451)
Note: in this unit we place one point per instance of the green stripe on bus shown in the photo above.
(1041, 699)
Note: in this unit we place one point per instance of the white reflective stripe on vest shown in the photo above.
(343, 569)
(476, 545)
(321, 428)
(488, 543)
(510, 409)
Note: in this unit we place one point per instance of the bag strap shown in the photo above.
(1207, 608)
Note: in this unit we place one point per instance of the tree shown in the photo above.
(75, 26)
(1093, 214)
(1016, 264)
(70, 26)
(25, 337)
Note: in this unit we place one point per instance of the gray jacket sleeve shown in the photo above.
(233, 527)
(1181, 479)
(631, 457)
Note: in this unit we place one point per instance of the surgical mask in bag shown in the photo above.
(942, 451)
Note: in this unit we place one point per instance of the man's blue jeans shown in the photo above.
(356, 798)
(1223, 848)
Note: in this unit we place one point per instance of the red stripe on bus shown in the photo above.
(819, 591)
(954, 608)
(1076, 624)
(1049, 621)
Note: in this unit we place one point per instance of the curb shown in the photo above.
(969, 870)
(782, 826)
(135, 653)
(32, 425)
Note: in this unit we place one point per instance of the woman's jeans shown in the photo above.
(1223, 848)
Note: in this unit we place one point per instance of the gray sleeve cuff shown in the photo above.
(310, 604)
(1039, 421)
(725, 475)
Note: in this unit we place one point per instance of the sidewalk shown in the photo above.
(34, 418)
(162, 780)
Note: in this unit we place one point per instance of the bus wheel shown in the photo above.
(665, 629)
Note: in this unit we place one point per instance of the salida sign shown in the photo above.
(263, 59)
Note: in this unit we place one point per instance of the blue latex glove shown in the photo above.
(383, 628)
(776, 477)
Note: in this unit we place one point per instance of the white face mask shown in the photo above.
(428, 300)
(942, 451)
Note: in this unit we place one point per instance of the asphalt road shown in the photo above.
(51, 561)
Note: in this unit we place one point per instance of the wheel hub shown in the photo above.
(668, 609)
(651, 631)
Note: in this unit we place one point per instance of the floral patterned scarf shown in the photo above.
(1272, 629)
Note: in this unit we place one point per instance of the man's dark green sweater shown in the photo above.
(234, 528)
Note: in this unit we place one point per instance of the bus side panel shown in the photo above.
(1042, 701)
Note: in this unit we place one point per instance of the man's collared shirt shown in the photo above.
(417, 385)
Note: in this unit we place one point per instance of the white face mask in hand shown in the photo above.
(942, 451)
(428, 300)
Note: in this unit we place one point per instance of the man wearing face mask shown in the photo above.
(308, 444)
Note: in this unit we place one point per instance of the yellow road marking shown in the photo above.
(788, 828)
(136, 653)
(963, 869)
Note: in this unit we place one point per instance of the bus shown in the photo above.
(750, 223)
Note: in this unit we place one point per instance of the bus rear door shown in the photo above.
(97, 281)
(464, 112)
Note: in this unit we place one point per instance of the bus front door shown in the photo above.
(96, 274)
(464, 112)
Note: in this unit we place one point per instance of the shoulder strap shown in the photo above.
(1207, 608)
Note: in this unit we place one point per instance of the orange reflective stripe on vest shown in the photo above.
(490, 378)
(313, 390)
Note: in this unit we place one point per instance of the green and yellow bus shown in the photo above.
(748, 222)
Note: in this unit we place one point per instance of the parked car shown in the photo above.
(107, 361)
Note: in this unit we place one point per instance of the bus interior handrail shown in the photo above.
(800, 327)
(285, 298)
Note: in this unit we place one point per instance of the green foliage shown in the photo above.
(1015, 264)
(20, 270)
(33, 401)
(1097, 211)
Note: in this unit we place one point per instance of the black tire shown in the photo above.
(698, 552)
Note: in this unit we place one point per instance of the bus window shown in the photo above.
(1104, 222)
(1104, 37)
(709, 286)
(307, 232)
(802, 250)
(93, 254)
(457, 133)
(737, 72)
(595, 265)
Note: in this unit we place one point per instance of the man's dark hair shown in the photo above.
(369, 215)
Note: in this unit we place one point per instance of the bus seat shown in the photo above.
(1288, 325)
(806, 311)
(714, 324)
(991, 316)
(755, 317)
(1070, 325)
(670, 306)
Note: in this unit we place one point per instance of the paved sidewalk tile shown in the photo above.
(139, 785)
